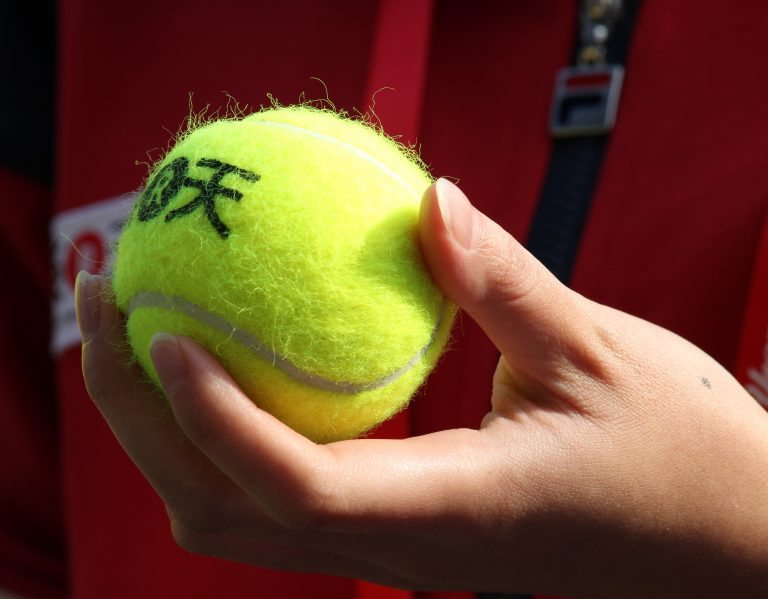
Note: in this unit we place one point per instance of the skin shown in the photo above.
(618, 460)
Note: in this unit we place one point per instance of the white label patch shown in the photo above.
(758, 377)
(82, 239)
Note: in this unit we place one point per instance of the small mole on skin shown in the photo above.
(705, 382)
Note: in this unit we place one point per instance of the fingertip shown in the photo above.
(446, 212)
(102, 332)
(427, 199)
(448, 226)
(221, 421)
(88, 290)
(433, 232)
(458, 215)
(169, 361)
(190, 374)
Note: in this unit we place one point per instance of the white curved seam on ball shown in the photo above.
(154, 299)
(348, 146)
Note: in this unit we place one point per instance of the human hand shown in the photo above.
(617, 459)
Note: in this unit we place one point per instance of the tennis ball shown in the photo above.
(286, 244)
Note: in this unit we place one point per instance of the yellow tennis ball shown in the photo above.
(286, 244)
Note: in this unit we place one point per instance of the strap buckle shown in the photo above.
(586, 100)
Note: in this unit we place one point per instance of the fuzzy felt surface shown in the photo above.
(286, 243)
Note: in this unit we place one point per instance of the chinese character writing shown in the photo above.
(170, 179)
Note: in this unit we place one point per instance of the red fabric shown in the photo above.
(398, 63)
(31, 545)
(672, 236)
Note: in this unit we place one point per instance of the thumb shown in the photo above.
(532, 318)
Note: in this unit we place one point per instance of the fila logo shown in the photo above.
(758, 385)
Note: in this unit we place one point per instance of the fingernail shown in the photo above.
(458, 214)
(88, 289)
(168, 359)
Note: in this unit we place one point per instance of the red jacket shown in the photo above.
(672, 235)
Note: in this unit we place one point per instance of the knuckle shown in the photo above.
(306, 514)
(318, 507)
(189, 540)
(511, 273)
(202, 516)
(93, 387)
(197, 428)
(96, 384)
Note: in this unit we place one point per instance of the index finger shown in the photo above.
(141, 420)
(361, 485)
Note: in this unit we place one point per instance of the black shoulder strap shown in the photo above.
(572, 176)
